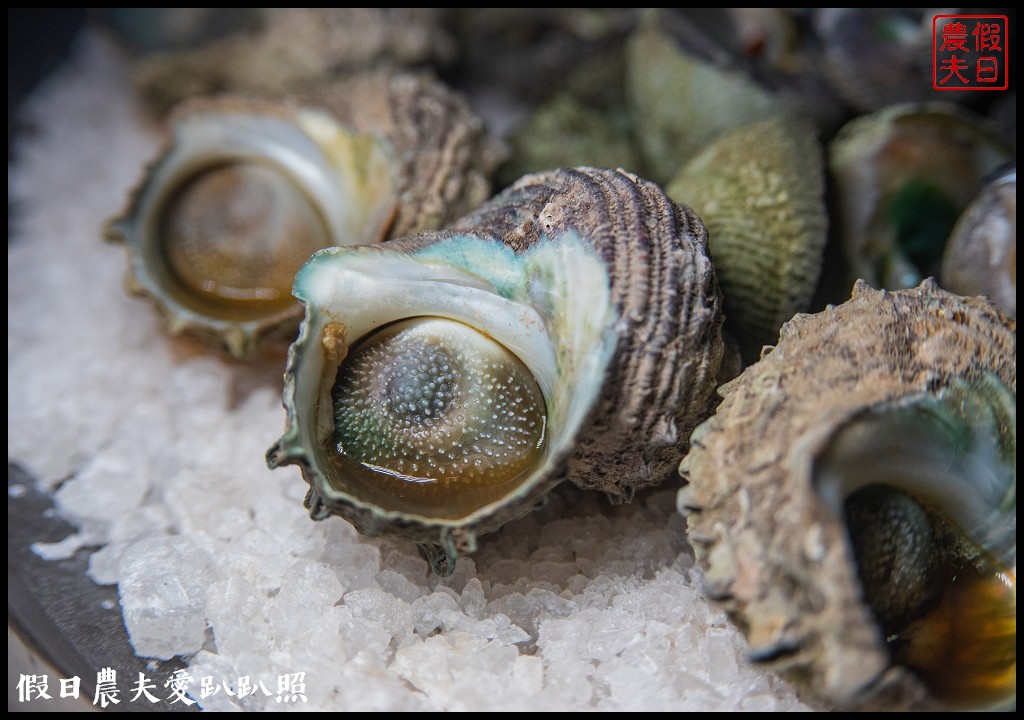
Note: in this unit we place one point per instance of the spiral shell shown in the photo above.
(760, 190)
(586, 299)
(876, 57)
(249, 189)
(854, 501)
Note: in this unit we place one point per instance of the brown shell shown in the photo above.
(669, 329)
(445, 159)
(296, 48)
(981, 254)
(775, 557)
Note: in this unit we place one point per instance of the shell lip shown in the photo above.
(983, 516)
(323, 160)
(522, 301)
(774, 549)
(895, 204)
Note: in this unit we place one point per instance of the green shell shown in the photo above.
(566, 132)
(681, 104)
(981, 255)
(760, 191)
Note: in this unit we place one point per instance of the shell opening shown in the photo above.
(902, 176)
(240, 200)
(436, 416)
(921, 215)
(234, 236)
(527, 339)
(928, 490)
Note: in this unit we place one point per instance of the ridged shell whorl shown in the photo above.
(669, 318)
(853, 500)
(444, 156)
(572, 321)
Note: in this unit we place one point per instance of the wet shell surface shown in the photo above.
(760, 191)
(981, 255)
(902, 176)
(853, 501)
(443, 383)
(248, 190)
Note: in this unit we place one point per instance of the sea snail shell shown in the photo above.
(853, 500)
(249, 189)
(571, 326)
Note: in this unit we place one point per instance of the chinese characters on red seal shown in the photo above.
(969, 52)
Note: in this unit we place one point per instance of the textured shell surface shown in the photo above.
(760, 191)
(681, 104)
(981, 255)
(570, 325)
(853, 500)
(292, 50)
(568, 131)
(445, 158)
(902, 176)
(249, 189)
